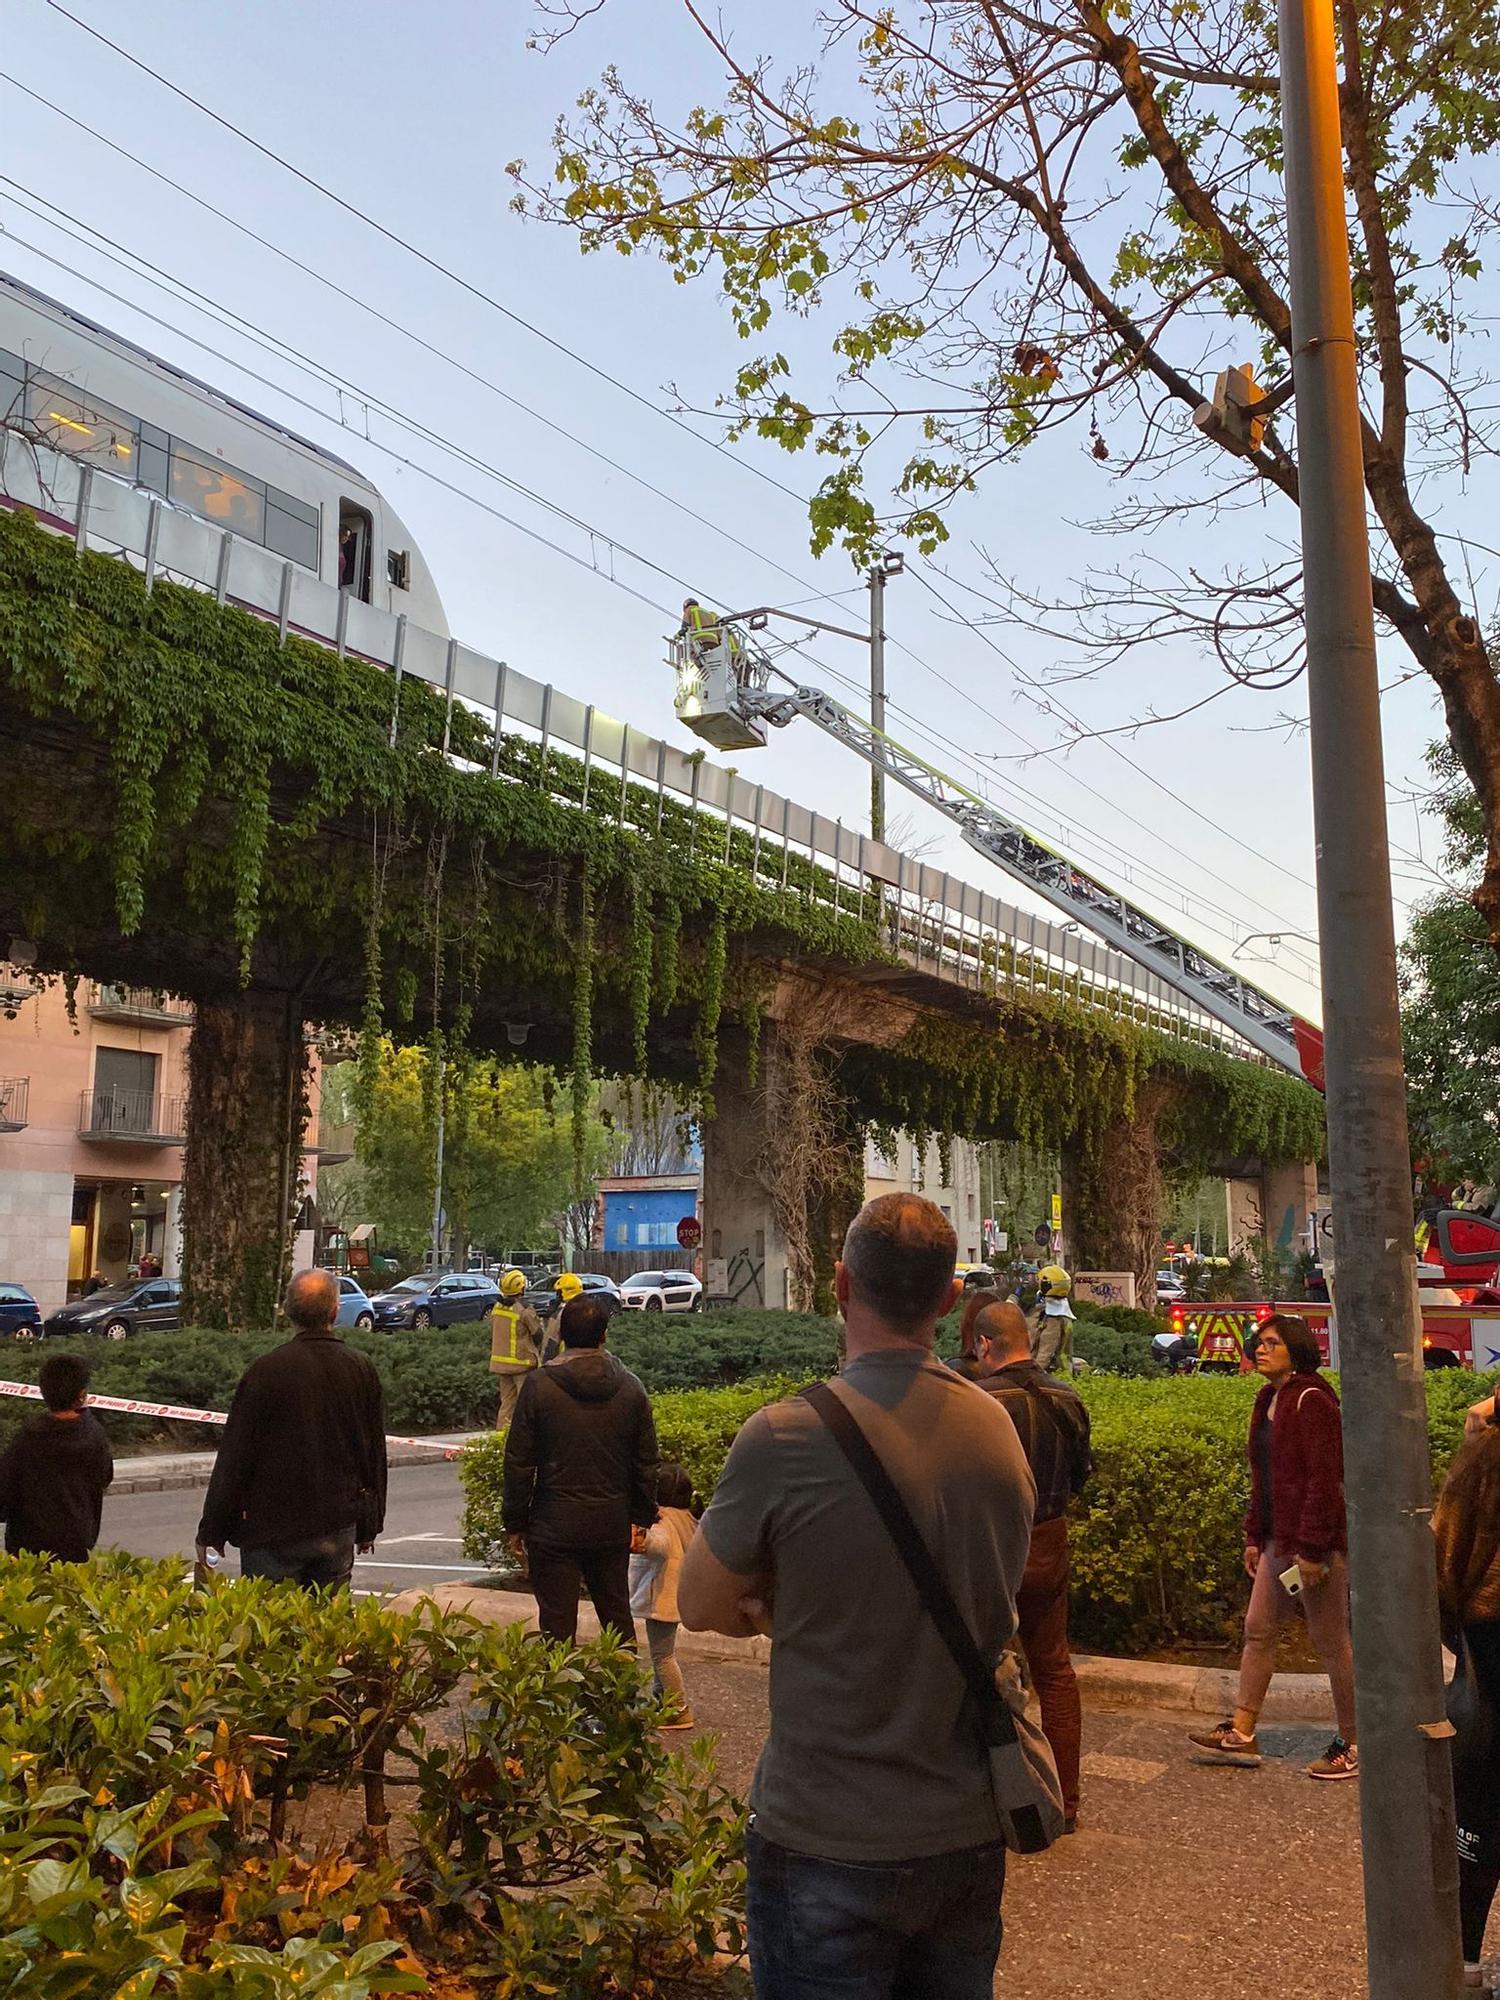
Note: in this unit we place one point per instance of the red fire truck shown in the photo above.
(1463, 1336)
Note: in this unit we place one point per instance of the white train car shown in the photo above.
(75, 388)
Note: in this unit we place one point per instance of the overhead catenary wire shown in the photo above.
(1130, 864)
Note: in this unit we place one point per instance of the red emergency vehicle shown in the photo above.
(1463, 1336)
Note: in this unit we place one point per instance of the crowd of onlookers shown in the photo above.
(901, 1531)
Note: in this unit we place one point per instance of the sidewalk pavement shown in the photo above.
(1182, 1878)
(178, 1471)
(1105, 1683)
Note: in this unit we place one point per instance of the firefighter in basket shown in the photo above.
(515, 1343)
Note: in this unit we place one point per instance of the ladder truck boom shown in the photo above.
(725, 694)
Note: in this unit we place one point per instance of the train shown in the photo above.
(71, 386)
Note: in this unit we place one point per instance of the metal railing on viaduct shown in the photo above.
(935, 922)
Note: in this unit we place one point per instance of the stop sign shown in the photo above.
(689, 1232)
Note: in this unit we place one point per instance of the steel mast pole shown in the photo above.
(877, 693)
(1406, 1792)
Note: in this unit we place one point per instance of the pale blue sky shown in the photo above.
(411, 114)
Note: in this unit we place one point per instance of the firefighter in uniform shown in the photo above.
(1053, 1316)
(515, 1343)
(568, 1286)
(700, 626)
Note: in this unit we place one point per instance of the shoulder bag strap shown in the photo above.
(904, 1532)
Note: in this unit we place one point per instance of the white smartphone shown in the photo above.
(1291, 1580)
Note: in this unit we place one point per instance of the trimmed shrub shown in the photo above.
(1157, 1534)
(176, 1765)
(1111, 1352)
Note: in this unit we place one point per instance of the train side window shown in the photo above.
(12, 387)
(58, 417)
(398, 568)
(208, 487)
(292, 528)
(356, 537)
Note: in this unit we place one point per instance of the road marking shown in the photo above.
(1130, 1770)
(441, 1569)
(397, 1541)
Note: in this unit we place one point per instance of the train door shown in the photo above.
(356, 549)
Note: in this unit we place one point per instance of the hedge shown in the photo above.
(1157, 1539)
(195, 1800)
(434, 1381)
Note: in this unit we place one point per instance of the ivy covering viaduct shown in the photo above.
(276, 833)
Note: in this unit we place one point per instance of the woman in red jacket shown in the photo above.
(1294, 1533)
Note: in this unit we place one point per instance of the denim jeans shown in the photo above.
(889, 1930)
(322, 1562)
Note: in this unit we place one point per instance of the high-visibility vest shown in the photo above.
(508, 1355)
(698, 619)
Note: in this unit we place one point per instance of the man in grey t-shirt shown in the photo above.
(875, 1861)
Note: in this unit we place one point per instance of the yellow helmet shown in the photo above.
(512, 1284)
(568, 1286)
(1054, 1281)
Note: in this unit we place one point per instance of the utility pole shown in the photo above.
(1406, 1791)
(877, 693)
(437, 1191)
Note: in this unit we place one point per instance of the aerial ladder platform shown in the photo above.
(731, 693)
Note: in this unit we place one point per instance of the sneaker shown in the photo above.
(1339, 1760)
(1224, 1744)
(681, 1718)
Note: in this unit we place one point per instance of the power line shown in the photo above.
(636, 396)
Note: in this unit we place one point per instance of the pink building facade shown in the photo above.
(92, 1119)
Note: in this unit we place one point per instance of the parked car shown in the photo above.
(541, 1292)
(661, 1291)
(354, 1305)
(1170, 1289)
(435, 1298)
(20, 1315)
(139, 1305)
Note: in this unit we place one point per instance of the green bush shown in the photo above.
(710, 1350)
(1110, 1352)
(1123, 1319)
(172, 1761)
(1157, 1533)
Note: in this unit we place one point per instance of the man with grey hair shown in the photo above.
(875, 1860)
(1053, 1427)
(299, 1481)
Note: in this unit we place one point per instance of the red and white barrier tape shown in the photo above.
(131, 1407)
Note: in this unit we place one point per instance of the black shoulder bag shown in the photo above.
(1023, 1777)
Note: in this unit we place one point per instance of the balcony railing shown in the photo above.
(133, 1117)
(142, 1004)
(333, 1143)
(15, 1096)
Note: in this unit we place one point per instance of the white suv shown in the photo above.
(661, 1291)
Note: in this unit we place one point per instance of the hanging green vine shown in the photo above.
(581, 1076)
(255, 814)
(640, 971)
(710, 1005)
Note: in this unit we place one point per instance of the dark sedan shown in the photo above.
(435, 1298)
(20, 1315)
(142, 1305)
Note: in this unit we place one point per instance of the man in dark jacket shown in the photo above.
(299, 1481)
(1053, 1427)
(580, 1473)
(56, 1469)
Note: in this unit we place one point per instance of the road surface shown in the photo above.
(421, 1544)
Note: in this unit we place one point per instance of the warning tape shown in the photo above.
(176, 1413)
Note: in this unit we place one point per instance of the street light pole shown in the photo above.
(1406, 1793)
(437, 1191)
(877, 693)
